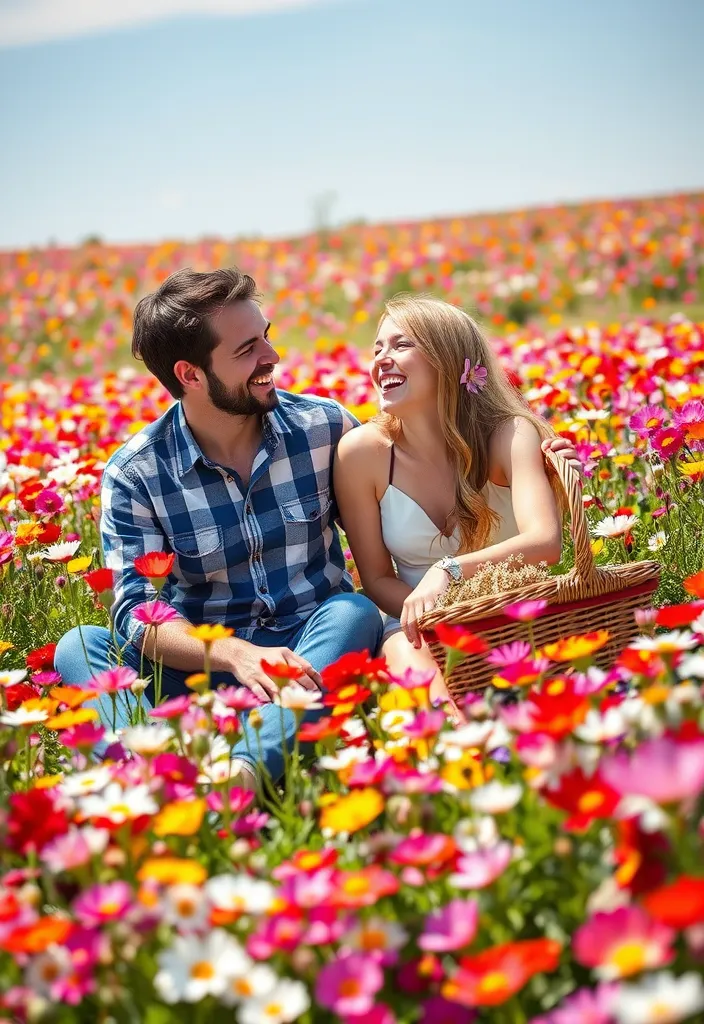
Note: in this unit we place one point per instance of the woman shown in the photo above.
(449, 475)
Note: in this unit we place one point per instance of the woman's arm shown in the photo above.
(515, 451)
(358, 456)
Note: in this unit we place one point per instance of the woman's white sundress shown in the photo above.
(414, 541)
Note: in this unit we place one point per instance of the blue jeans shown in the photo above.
(342, 623)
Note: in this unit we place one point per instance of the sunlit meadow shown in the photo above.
(543, 862)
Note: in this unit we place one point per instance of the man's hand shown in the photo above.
(246, 666)
(561, 446)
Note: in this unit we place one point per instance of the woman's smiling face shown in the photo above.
(402, 376)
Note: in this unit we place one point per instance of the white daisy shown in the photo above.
(691, 667)
(286, 1003)
(185, 906)
(658, 541)
(147, 739)
(660, 999)
(666, 643)
(91, 781)
(10, 677)
(61, 552)
(495, 798)
(24, 716)
(298, 699)
(119, 805)
(344, 758)
(240, 894)
(256, 980)
(614, 526)
(599, 727)
(375, 935)
(193, 968)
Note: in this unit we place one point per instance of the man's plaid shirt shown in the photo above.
(263, 556)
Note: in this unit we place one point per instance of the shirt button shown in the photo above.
(230, 479)
(248, 509)
(264, 589)
(256, 556)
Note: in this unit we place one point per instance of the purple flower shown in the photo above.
(474, 377)
(439, 1011)
(450, 928)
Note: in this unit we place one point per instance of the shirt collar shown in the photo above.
(188, 450)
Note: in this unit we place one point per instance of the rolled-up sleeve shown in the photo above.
(128, 528)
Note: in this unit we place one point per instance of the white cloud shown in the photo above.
(37, 21)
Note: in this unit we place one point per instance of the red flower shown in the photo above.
(323, 729)
(678, 905)
(47, 533)
(154, 564)
(459, 638)
(34, 820)
(17, 694)
(28, 494)
(491, 977)
(675, 616)
(584, 797)
(99, 580)
(354, 667)
(556, 708)
(282, 670)
(36, 937)
(346, 698)
(667, 442)
(41, 658)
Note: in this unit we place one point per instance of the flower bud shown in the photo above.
(139, 686)
(60, 582)
(255, 719)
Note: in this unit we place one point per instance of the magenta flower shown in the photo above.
(525, 611)
(586, 1005)
(474, 377)
(155, 613)
(439, 1011)
(108, 901)
(622, 942)
(479, 869)
(347, 985)
(239, 698)
(425, 724)
(663, 769)
(413, 679)
(647, 419)
(691, 412)
(112, 680)
(248, 824)
(667, 442)
(87, 734)
(369, 772)
(48, 503)
(46, 678)
(404, 778)
(380, 1013)
(509, 654)
(420, 849)
(450, 928)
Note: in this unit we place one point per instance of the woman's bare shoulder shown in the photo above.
(365, 442)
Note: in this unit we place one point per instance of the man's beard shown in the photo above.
(239, 401)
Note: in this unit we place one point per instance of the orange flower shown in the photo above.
(679, 905)
(71, 696)
(210, 632)
(491, 977)
(36, 937)
(363, 888)
(557, 709)
(694, 585)
(154, 564)
(575, 648)
(352, 812)
(459, 638)
(172, 871)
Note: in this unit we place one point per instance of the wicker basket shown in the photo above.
(587, 598)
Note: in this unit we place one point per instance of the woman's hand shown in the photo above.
(421, 600)
(561, 446)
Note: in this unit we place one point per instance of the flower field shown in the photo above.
(543, 862)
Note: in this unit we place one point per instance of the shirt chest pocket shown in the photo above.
(200, 556)
(308, 509)
(305, 522)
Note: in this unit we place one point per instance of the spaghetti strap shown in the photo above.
(391, 465)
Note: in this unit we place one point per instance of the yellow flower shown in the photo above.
(352, 812)
(196, 681)
(79, 564)
(172, 871)
(48, 781)
(597, 546)
(210, 632)
(692, 468)
(574, 648)
(180, 818)
(467, 772)
(5, 645)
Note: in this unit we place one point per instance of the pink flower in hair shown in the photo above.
(474, 377)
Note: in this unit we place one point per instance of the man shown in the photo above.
(235, 480)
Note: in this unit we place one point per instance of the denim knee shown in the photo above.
(360, 613)
(70, 655)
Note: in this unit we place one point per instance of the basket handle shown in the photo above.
(572, 486)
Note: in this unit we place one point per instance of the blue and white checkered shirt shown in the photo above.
(265, 556)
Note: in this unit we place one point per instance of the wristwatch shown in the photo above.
(452, 568)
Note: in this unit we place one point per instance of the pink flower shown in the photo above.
(308, 891)
(74, 848)
(108, 901)
(413, 679)
(46, 678)
(240, 800)
(250, 823)
(667, 442)
(379, 1014)
(112, 680)
(279, 933)
(87, 734)
(474, 377)
(422, 849)
(173, 708)
(450, 928)
(647, 419)
(178, 776)
(586, 1005)
(155, 613)
(664, 769)
(238, 697)
(425, 724)
(525, 611)
(509, 654)
(48, 503)
(347, 985)
(622, 942)
(368, 773)
(479, 869)
(404, 778)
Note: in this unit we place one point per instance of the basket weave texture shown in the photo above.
(587, 598)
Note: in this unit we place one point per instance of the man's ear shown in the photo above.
(188, 375)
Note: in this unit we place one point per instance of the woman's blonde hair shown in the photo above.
(447, 336)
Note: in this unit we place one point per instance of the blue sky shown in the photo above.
(229, 125)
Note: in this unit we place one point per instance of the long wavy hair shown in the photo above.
(447, 336)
